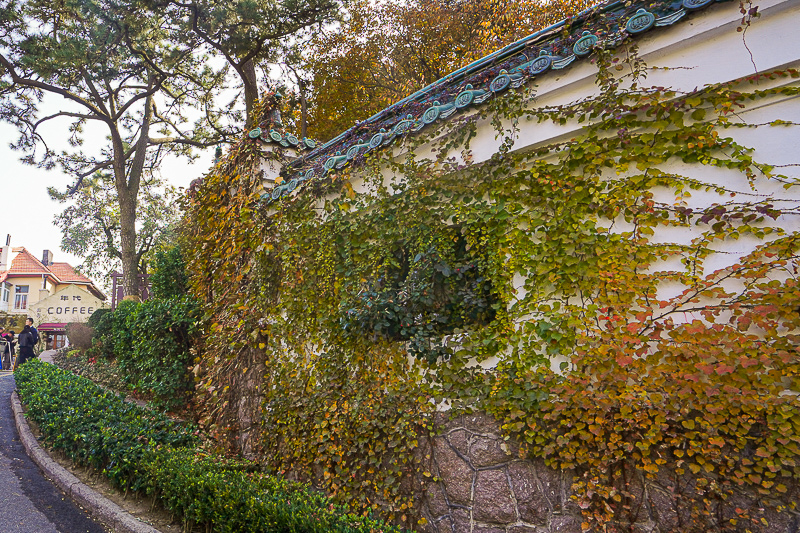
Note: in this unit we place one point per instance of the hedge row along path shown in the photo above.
(29, 502)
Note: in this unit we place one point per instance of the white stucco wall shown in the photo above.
(706, 48)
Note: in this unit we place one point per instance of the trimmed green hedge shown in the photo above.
(145, 451)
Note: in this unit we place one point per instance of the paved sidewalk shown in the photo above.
(29, 502)
(16, 435)
(47, 356)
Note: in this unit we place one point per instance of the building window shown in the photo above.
(21, 297)
(5, 295)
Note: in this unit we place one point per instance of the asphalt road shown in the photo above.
(29, 502)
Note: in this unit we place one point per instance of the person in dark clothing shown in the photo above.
(25, 346)
(9, 349)
(34, 332)
(5, 353)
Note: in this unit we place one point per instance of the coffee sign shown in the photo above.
(73, 304)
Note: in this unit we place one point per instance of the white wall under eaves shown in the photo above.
(703, 49)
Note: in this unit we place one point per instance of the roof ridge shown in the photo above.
(552, 48)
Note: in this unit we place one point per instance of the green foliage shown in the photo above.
(90, 220)
(422, 294)
(152, 345)
(248, 33)
(696, 387)
(111, 63)
(233, 496)
(97, 320)
(95, 427)
(169, 278)
(144, 451)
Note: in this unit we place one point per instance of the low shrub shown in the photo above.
(147, 452)
(98, 318)
(232, 497)
(93, 426)
(80, 335)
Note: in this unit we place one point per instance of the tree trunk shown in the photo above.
(127, 194)
(247, 70)
(303, 110)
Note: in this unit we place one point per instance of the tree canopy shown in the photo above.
(249, 33)
(90, 222)
(118, 72)
(384, 52)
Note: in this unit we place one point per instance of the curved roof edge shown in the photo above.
(552, 48)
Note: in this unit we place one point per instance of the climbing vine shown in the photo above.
(613, 353)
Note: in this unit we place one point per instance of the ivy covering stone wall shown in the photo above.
(528, 286)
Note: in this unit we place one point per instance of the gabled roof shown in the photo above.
(67, 274)
(553, 48)
(25, 264)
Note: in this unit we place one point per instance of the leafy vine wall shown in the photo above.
(621, 300)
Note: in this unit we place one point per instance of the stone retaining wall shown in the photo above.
(486, 488)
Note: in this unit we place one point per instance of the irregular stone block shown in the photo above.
(481, 423)
(645, 527)
(488, 529)
(493, 501)
(459, 441)
(488, 452)
(444, 526)
(455, 473)
(436, 501)
(565, 524)
(534, 505)
(662, 506)
(526, 529)
(462, 522)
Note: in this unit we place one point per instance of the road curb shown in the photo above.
(100, 507)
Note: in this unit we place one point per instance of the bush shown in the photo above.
(98, 319)
(152, 342)
(93, 426)
(169, 278)
(145, 451)
(80, 335)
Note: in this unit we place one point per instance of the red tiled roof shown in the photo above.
(25, 263)
(67, 274)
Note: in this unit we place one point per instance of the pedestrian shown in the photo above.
(25, 346)
(35, 333)
(9, 350)
(4, 351)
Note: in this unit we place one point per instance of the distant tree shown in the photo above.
(117, 67)
(90, 222)
(383, 52)
(249, 33)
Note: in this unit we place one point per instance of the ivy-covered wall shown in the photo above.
(604, 264)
